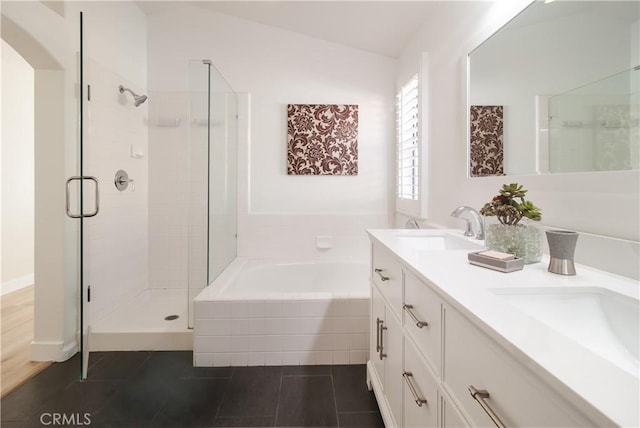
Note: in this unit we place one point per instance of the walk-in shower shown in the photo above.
(189, 165)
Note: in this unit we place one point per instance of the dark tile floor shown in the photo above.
(163, 389)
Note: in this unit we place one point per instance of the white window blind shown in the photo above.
(408, 149)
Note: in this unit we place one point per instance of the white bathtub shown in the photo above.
(261, 312)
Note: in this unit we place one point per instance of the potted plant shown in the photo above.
(512, 224)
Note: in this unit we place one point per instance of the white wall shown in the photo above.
(281, 215)
(17, 171)
(597, 203)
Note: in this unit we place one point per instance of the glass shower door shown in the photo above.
(51, 42)
(213, 113)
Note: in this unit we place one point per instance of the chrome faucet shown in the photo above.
(475, 215)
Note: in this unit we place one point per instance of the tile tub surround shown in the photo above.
(281, 332)
(275, 312)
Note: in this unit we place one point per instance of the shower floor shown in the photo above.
(141, 325)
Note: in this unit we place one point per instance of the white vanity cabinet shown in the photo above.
(427, 358)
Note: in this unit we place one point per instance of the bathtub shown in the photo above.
(265, 312)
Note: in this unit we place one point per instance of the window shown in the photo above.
(411, 152)
(407, 147)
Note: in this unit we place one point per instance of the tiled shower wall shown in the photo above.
(168, 194)
(118, 235)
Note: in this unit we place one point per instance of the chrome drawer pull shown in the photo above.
(480, 395)
(419, 323)
(378, 322)
(419, 401)
(382, 277)
(382, 329)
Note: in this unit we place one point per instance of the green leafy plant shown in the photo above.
(510, 205)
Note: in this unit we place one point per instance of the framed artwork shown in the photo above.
(322, 139)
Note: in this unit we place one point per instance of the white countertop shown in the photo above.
(611, 389)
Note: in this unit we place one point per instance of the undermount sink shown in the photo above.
(438, 242)
(599, 319)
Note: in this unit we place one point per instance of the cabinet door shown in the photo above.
(377, 318)
(450, 416)
(420, 404)
(392, 350)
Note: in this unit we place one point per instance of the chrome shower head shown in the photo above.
(137, 99)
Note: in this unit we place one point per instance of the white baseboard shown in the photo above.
(16, 284)
(52, 351)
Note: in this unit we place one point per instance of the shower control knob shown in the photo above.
(122, 181)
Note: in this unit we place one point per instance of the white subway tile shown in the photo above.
(290, 343)
(203, 310)
(239, 359)
(290, 359)
(314, 325)
(221, 360)
(256, 326)
(340, 357)
(306, 358)
(291, 309)
(357, 357)
(218, 344)
(202, 327)
(341, 342)
(342, 325)
(240, 327)
(203, 359)
(220, 310)
(339, 308)
(324, 357)
(220, 327)
(290, 326)
(359, 342)
(273, 326)
(360, 325)
(273, 309)
(272, 343)
(256, 359)
(314, 308)
(273, 358)
(240, 344)
(359, 307)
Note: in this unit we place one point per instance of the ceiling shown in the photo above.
(381, 27)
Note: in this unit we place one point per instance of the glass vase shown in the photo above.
(523, 240)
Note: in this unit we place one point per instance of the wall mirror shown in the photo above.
(556, 90)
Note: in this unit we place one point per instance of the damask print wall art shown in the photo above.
(322, 139)
(486, 141)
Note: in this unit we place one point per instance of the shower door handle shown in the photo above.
(68, 196)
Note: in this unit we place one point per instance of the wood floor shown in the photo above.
(17, 334)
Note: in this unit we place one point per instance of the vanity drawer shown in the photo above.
(387, 275)
(472, 359)
(419, 384)
(422, 318)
